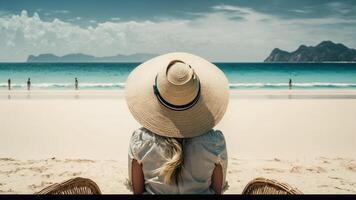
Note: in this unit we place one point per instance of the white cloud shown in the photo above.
(115, 19)
(75, 19)
(216, 36)
(340, 7)
(61, 11)
(229, 8)
(301, 11)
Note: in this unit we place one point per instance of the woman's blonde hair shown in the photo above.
(171, 170)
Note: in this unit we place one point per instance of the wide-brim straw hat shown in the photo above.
(177, 95)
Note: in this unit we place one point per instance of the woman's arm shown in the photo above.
(217, 179)
(138, 180)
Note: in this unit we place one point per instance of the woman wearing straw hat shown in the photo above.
(177, 98)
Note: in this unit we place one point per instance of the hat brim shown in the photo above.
(151, 114)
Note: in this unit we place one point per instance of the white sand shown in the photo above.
(304, 138)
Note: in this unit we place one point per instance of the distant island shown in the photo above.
(326, 51)
(78, 57)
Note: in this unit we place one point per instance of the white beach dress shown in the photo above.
(200, 156)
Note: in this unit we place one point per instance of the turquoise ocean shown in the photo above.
(112, 76)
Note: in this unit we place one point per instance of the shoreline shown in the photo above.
(235, 93)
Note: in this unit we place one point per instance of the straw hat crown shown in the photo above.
(178, 84)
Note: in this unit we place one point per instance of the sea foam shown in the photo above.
(231, 85)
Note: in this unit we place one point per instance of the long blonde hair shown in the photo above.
(171, 170)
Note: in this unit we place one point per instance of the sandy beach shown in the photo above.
(305, 138)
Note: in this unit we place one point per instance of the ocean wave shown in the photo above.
(66, 85)
(231, 85)
(298, 85)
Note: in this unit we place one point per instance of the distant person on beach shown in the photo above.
(290, 84)
(177, 150)
(9, 84)
(28, 84)
(76, 83)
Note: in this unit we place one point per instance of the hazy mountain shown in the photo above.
(326, 51)
(138, 57)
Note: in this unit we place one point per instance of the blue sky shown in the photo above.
(226, 30)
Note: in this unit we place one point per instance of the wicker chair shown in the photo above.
(72, 186)
(268, 186)
(86, 186)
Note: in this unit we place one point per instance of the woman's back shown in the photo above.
(201, 155)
